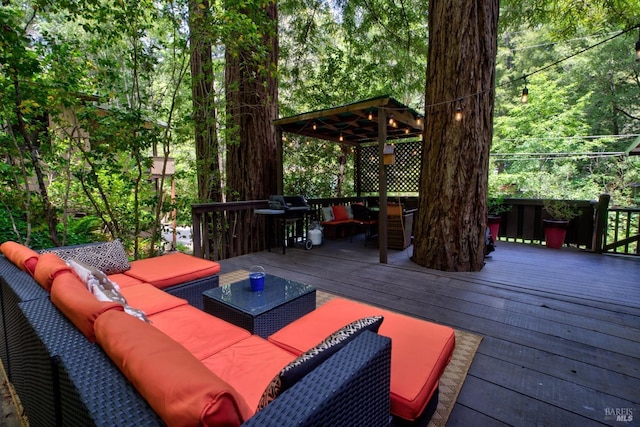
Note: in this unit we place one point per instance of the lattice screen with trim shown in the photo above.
(402, 177)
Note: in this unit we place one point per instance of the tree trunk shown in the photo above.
(451, 222)
(342, 160)
(252, 96)
(252, 105)
(203, 98)
(30, 142)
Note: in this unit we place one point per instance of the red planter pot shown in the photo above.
(493, 222)
(555, 232)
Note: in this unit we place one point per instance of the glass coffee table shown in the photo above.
(264, 312)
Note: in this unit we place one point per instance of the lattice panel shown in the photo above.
(402, 177)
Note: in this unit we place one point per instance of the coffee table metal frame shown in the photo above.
(262, 313)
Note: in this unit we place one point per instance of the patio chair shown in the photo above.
(397, 237)
(364, 219)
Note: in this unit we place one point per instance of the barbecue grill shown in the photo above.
(288, 213)
(288, 203)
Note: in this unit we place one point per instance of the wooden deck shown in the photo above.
(561, 328)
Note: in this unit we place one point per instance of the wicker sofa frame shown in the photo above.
(63, 379)
(23, 288)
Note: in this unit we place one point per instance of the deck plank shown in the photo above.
(566, 319)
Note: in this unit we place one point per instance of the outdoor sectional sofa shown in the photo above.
(75, 360)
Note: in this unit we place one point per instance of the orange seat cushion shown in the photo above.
(23, 257)
(172, 269)
(336, 222)
(123, 280)
(49, 266)
(420, 350)
(340, 213)
(249, 366)
(150, 299)
(80, 306)
(199, 332)
(181, 390)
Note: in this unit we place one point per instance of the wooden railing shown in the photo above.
(225, 230)
(623, 231)
(524, 222)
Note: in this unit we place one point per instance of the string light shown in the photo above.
(638, 45)
(370, 116)
(458, 115)
(341, 138)
(392, 121)
(525, 92)
(315, 126)
(547, 67)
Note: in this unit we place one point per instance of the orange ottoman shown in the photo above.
(420, 350)
(181, 275)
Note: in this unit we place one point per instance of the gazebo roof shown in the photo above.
(356, 123)
(634, 148)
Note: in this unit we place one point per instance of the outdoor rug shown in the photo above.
(454, 375)
(11, 410)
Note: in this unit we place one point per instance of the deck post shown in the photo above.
(279, 157)
(196, 234)
(602, 214)
(382, 186)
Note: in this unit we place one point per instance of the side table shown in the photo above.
(262, 313)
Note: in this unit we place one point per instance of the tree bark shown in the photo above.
(451, 222)
(30, 142)
(203, 99)
(252, 97)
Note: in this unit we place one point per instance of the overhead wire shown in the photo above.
(539, 70)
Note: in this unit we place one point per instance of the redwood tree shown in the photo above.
(203, 98)
(252, 96)
(450, 227)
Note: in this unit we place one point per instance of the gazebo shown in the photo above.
(368, 126)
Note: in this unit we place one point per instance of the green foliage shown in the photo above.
(311, 167)
(79, 230)
(68, 55)
(561, 210)
(132, 56)
(496, 206)
(549, 147)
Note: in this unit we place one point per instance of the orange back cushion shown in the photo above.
(48, 268)
(181, 390)
(394, 210)
(340, 213)
(23, 257)
(172, 269)
(79, 305)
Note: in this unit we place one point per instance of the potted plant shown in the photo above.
(495, 209)
(555, 228)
